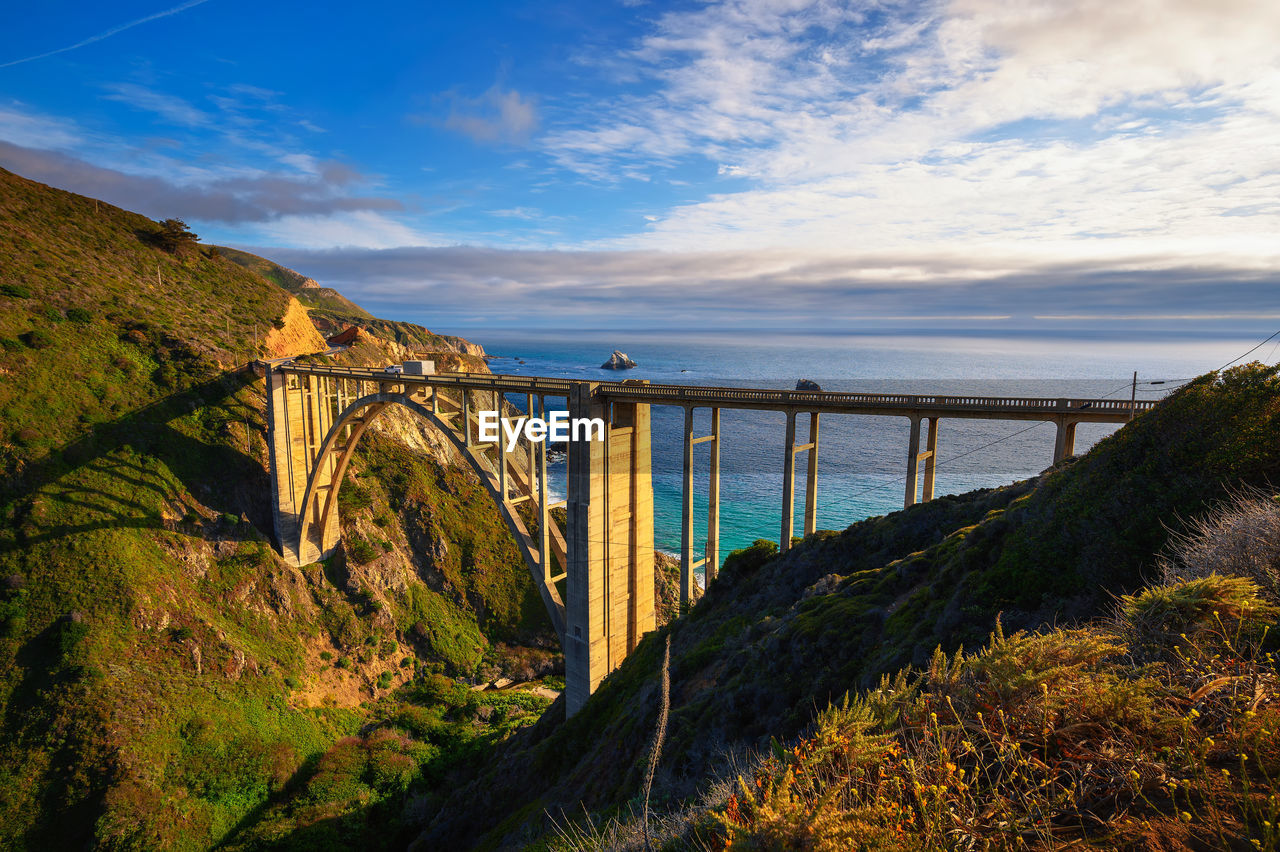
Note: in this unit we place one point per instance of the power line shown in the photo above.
(1270, 337)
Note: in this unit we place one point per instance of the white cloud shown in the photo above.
(1039, 128)
(33, 130)
(171, 108)
(358, 229)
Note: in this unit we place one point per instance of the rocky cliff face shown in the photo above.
(464, 346)
(296, 336)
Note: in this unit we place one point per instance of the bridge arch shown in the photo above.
(318, 531)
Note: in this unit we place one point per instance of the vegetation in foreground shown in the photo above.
(1160, 730)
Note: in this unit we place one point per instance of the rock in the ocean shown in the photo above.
(807, 385)
(618, 361)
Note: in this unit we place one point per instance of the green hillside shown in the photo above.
(308, 292)
(776, 638)
(165, 681)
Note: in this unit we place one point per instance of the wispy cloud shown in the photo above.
(1075, 124)
(260, 198)
(105, 34)
(21, 126)
(499, 115)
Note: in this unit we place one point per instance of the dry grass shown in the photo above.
(1158, 730)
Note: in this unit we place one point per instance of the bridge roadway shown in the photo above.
(827, 402)
(595, 577)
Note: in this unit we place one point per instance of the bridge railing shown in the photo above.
(678, 394)
(728, 396)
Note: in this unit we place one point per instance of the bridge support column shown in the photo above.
(1065, 445)
(811, 480)
(465, 425)
(713, 503)
(913, 462)
(610, 541)
(788, 486)
(930, 456)
(298, 416)
(686, 514)
(544, 507)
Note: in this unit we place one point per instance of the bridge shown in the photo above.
(596, 576)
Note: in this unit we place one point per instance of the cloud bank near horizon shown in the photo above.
(641, 288)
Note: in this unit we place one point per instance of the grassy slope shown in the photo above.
(776, 638)
(154, 653)
(323, 298)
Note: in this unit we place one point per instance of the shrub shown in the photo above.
(1203, 612)
(37, 338)
(292, 682)
(79, 315)
(342, 663)
(278, 322)
(384, 680)
(359, 550)
(52, 314)
(72, 631)
(175, 236)
(1240, 538)
(326, 656)
(15, 291)
(181, 634)
(10, 345)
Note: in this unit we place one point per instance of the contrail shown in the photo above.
(109, 33)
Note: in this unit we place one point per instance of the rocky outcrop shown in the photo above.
(466, 347)
(345, 337)
(295, 335)
(618, 361)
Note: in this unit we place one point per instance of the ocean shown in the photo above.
(862, 459)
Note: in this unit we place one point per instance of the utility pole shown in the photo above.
(1133, 394)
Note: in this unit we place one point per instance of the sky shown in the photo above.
(1025, 164)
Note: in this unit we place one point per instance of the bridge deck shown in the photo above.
(835, 402)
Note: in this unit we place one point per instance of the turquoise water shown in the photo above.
(862, 459)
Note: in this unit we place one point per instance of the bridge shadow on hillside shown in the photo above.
(105, 478)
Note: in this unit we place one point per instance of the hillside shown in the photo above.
(776, 638)
(165, 681)
(333, 313)
(307, 290)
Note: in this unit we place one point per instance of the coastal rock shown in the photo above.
(807, 385)
(618, 361)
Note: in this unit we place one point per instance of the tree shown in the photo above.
(175, 236)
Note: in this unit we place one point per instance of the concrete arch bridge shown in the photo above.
(596, 577)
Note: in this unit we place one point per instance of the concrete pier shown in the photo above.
(609, 603)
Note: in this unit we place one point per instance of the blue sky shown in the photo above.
(969, 163)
